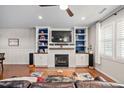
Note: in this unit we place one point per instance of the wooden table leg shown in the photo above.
(2, 66)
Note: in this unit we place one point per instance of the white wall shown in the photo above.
(20, 54)
(110, 67)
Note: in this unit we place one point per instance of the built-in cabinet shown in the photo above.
(78, 47)
(81, 46)
(41, 60)
(81, 60)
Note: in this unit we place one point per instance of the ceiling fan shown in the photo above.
(70, 13)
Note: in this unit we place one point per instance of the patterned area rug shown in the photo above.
(84, 76)
(78, 76)
(59, 79)
(36, 74)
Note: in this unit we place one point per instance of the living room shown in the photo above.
(50, 45)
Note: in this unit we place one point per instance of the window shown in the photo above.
(107, 39)
(112, 40)
(120, 39)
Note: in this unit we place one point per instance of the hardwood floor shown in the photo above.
(25, 70)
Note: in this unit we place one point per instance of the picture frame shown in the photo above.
(13, 42)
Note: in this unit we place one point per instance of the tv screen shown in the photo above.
(61, 36)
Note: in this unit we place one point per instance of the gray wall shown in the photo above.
(20, 54)
(92, 36)
(109, 67)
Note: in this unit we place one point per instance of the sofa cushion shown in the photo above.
(95, 84)
(52, 85)
(15, 84)
(15, 78)
(115, 85)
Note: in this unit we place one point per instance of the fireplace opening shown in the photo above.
(61, 60)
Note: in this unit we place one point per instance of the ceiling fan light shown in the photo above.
(40, 17)
(83, 18)
(63, 7)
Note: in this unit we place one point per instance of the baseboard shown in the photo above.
(38, 66)
(14, 64)
(107, 75)
(81, 66)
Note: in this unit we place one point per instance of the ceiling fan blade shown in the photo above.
(46, 5)
(70, 13)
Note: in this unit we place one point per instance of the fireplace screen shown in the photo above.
(61, 60)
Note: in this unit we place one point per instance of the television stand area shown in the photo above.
(61, 47)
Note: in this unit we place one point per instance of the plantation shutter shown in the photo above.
(107, 39)
(120, 39)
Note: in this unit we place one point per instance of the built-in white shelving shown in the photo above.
(46, 48)
(42, 39)
(81, 39)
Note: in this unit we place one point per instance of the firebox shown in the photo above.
(61, 60)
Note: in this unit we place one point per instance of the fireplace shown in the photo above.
(61, 60)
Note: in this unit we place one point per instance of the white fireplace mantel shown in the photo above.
(52, 53)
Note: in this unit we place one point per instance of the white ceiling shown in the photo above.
(21, 16)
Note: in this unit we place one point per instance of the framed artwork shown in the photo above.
(13, 42)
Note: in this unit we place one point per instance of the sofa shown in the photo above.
(15, 84)
(78, 84)
(96, 83)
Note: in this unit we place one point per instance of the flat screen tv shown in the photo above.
(62, 36)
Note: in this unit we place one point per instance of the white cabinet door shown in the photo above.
(40, 59)
(81, 60)
(78, 59)
(86, 60)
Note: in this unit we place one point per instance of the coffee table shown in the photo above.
(58, 72)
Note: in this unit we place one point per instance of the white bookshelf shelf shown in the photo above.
(80, 34)
(43, 40)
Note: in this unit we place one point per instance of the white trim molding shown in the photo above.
(97, 48)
